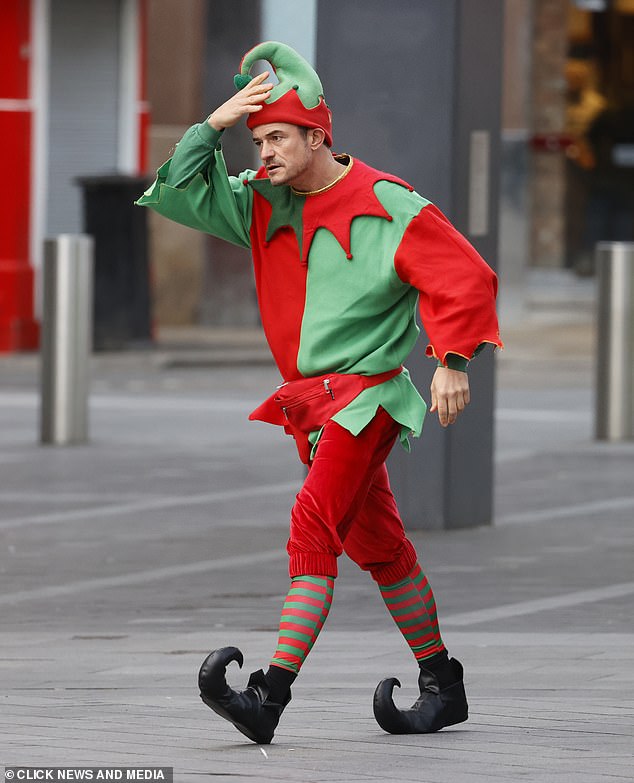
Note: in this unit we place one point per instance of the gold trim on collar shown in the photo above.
(326, 187)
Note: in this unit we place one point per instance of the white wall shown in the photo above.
(293, 22)
(83, 103)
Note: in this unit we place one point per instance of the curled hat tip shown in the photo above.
(241, 80)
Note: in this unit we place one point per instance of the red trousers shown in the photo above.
(346, 504)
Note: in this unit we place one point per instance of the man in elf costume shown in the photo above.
(342, 255)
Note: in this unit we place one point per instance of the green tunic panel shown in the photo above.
(360, 317)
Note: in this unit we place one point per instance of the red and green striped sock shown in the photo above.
(303, 615)
(411, 604)
(424, 589)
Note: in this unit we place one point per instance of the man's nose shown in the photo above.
(265, 151)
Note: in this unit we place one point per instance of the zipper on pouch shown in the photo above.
(310, 395)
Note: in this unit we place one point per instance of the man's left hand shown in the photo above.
(449, 394)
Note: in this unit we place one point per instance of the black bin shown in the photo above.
(122, 311)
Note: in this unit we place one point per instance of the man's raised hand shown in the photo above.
(247, 101)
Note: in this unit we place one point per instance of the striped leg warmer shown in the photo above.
(411, 604)
(303, 615)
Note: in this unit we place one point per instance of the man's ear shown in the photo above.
(316, 137)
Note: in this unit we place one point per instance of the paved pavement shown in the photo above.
(124, 561)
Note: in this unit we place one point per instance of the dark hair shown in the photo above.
(303, 129)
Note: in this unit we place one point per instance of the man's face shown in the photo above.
(284, 150)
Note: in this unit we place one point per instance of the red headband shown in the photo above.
(289, 108)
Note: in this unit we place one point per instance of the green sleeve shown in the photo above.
(457, 362)
(193, 188)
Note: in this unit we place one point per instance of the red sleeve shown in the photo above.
(457, 287)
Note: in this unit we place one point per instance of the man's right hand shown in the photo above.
(247, 101)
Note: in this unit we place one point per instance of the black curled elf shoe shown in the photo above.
(250, 710)
(433, 710)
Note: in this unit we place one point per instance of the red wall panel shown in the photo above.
(143, 106)
(18, 329)
(15, 40)
(15, 130)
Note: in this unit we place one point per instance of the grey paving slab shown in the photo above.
(131, 699)
(123, 562)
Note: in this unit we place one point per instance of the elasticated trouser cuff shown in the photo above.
(389, 573)
(313, 564)
(323, 564)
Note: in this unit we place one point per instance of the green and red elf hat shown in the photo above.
(299, 96)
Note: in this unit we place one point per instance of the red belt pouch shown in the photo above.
(308, 403)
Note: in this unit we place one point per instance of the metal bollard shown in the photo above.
(66, 338)
(615, 345)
